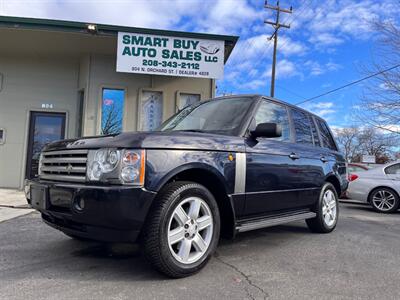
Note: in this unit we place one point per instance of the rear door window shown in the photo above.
(269, 112)
(327, 139)
(302, 127)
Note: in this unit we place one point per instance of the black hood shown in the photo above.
(154, 140)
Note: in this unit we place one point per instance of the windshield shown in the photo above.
(216, 116)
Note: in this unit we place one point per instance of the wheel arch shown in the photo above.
(335, 182)
(379, 187)
(216, 184)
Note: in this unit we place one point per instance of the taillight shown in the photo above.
(352, 177)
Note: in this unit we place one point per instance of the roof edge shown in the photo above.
(109, 30)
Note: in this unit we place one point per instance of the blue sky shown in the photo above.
(328, 45)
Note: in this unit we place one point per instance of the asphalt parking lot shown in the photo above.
(361, 259)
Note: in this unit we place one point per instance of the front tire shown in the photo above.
(182, 230)
(327, 210)
(384, 200)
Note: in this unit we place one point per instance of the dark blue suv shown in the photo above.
(220, 167)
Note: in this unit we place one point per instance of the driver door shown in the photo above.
(272, 176)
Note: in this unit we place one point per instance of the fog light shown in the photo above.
(80, 204)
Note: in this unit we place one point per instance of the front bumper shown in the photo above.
(103, 213)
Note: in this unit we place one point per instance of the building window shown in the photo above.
(151, 110)
(112, 111)
(185, 99)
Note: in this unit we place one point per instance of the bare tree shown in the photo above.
(381, 96)
(354, 142)
(347, 138)
(374, 142)
(111, 120)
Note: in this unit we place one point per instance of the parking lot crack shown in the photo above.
(245, 276)
(15, 207)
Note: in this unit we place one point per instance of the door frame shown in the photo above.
(26, 137)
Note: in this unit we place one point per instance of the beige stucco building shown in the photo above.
(56, 78)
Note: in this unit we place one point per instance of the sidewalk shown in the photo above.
(12, 204)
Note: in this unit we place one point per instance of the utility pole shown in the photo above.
(274, 36)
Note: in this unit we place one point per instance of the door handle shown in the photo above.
(323, 159)
(294, 156)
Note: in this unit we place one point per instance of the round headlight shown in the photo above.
(113, 157)
(96, 171)
(100, 155)
(129, 174)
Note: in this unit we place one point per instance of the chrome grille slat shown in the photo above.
(62, 178)
(65, 152)
(64, 165)
(79, 160)
(63, 169)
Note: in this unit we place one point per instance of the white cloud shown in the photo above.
(325, 39)
(328, 24)
(322, 109)
(288, 46)
(284, 69)
(390, 128)
(315, 68)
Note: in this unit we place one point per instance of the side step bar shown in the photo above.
(272, 221)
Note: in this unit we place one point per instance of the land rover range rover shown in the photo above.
(222, 166)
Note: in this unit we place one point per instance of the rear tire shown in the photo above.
(384, 200)
(327, 210)
(182, 230)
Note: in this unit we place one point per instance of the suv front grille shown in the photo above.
(66, 165)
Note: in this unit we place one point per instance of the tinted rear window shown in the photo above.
(327, 139)
(315, 133)
(302, 127)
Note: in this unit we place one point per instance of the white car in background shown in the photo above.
(380, 187)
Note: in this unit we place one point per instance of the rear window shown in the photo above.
(302, 127)
(326, 137)
(395, 169)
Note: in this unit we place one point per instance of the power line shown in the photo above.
(348, 84)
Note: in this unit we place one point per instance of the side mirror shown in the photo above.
(267, 130)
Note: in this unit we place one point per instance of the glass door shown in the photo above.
(44, 128)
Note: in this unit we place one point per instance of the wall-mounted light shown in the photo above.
(92, 28)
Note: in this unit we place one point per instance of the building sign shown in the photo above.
(369, 159)
(172, 56)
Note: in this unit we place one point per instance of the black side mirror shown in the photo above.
(267, 130)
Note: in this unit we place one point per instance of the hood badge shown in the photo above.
(69, 168)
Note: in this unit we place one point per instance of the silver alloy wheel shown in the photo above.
(329, 208)
(190, 230)
(384, 200)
